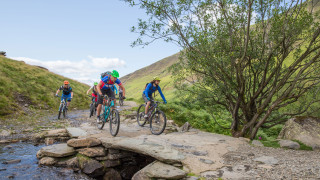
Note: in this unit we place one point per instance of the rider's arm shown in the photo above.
(58, 91)
(71, 94)
(115, 87)
(163, 98)
(98, 87)
(123, 90)
(89, 90)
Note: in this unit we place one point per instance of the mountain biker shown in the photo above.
(66, 92)
(105, 88)
(152, 87)
(94, 91)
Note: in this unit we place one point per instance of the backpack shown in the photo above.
(105, 74)
(154, 94)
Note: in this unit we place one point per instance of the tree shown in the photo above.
(251, 57)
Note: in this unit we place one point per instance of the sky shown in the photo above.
(78, 39)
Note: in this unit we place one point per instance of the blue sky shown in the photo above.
(77, 38)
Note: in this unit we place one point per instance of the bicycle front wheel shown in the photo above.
(60, 110)
(158, 122)
(140, 115)
(65, 111)
(114, 122)
(121, 101)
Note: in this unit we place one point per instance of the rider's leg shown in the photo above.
(111, 94)
(68, 99)
(147, 107)
(100, 101)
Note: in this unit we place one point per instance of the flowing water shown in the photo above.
(28, 167)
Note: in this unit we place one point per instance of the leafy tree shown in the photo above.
(251, 57)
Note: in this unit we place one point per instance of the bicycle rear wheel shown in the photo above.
(158, 122)
(114, 122)
(121, 101)
(60, 110)
(140, 115)
(92, 107)
(101, 122)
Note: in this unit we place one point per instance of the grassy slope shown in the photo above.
(136, 81)
(21, 84)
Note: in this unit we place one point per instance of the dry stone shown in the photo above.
(86, 142)
(111, 163)
(160, 170)
(92, 152)
(257, 143)
(93, 168)
(56, 133)
(47, 161)
(289, 144)
(57, 150)
(304, 129)
(76, 132)
(140, 175)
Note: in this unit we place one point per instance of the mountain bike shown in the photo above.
(109, 115)
(62, 108)
(156, 117)
(121, 99)
(93, 106)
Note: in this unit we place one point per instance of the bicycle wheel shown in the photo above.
(121, 101)
(101, 122)
(60, 110)
(140, 115)
(158, 122)
(114, 122)
(92, 108)
(65, 111)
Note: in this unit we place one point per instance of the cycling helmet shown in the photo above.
(95, 83)
(115, 73)
(66, 82)
(156, 78)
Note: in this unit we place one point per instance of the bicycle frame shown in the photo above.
(107, 109)
(63, 102)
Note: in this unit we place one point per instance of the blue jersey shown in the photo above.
(151, 89)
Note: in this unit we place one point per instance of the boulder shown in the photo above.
(12, 161)
(40, 154)
(160, 170)
(57, 150)
(47, 161)
(92, 168)
(289, 144)
(257, 143)
(85, 142)
(49, 141)
(141, 146)
(76, 132)
(119, 155)
(69, 163)
(303, 129)
(5, 133)
(92, 152)
(56, 133)
(266, 160)
(112, 174)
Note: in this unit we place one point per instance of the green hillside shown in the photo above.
(24, 86)
(136, 81)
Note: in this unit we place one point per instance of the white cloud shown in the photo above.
(86, 70)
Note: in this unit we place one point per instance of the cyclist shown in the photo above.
(152, 87)
(94, 91)
(105, 87)
(66, 92)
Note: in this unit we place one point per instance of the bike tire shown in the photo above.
(155, 126)
(60, 108)
(91, 109)
(64, 112)
(121, 102)
(140, 115)
(101, 123)
(114, 122)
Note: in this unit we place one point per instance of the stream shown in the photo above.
(28, 167)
